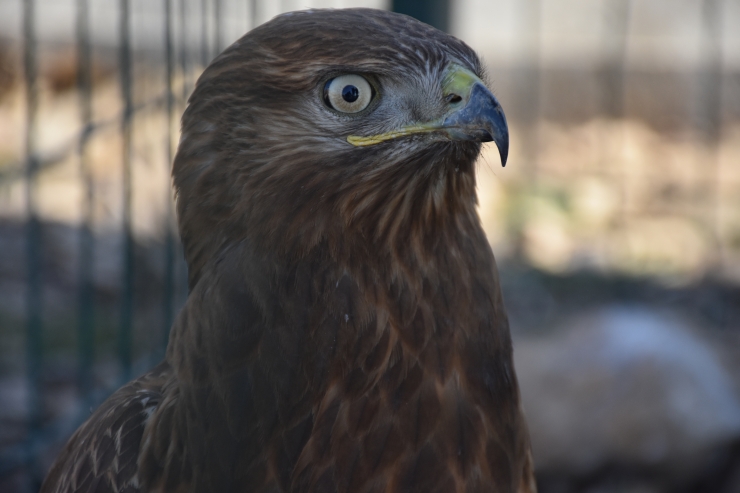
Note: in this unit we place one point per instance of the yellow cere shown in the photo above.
(458, 80)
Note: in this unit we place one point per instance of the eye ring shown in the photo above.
(349, 93)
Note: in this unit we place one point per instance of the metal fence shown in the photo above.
(37, 431)
(192, 32)
(23, 463)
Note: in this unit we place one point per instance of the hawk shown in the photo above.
(345, 329)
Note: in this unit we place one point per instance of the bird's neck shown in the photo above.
(290, 343)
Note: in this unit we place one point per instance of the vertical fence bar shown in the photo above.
(204, 55)
(188, 82)
(252, 6)
(34, 304)
(434, 12)
(530, 83)
(612, 82)
(218, 35)
(709, 118)
(184, 51)
(616, 20)
(169, 244)
(85, 329)
(127, 301)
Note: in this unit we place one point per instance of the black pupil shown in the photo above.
(350, 93)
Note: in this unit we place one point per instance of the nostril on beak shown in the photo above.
(453, 98)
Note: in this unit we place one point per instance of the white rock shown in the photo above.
(626, 386)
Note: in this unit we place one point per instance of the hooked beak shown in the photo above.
(481, 120)
(474, 115)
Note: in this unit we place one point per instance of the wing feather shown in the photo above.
(102, 455)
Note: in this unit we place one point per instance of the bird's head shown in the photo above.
(328, 124)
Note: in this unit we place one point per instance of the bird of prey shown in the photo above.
(345, 329)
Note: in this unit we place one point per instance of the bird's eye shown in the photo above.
(348, 93)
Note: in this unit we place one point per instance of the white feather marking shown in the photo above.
(148, 411)
(118, 439)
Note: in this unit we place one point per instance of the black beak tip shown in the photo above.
(502, 144)
(503, 151)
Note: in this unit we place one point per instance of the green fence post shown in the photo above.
(434, 12)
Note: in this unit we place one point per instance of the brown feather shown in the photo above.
(345, 329)
(102, 455)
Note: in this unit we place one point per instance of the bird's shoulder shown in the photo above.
(102, 455)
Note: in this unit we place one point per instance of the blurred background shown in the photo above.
(616, 224)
